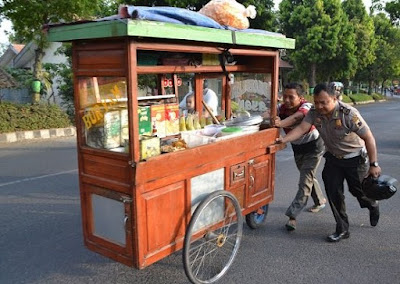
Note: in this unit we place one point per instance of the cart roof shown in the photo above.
(164, 30)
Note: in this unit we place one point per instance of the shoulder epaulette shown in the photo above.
(345, 110)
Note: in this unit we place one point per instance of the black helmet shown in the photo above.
(379, 188)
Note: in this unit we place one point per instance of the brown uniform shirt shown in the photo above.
(340, 132)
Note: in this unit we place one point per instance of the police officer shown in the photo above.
(350, 145)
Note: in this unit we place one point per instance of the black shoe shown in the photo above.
(338, 236)
(374, 215)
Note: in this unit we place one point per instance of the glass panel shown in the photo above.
(108, 219)
(104, 114)
(167, 81)
(203, 185)
(251, 92)
(212, 94)
(185, 89)
(147, 85)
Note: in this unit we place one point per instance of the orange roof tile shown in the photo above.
(18, 47)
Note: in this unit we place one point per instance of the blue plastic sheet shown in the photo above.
(172, 15)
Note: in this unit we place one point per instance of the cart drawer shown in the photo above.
(238, 174)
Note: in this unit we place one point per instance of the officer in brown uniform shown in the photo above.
(350, 145)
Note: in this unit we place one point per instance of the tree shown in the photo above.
(318, 27)
(393, 9)
(28, 18)
(387, 63)
(363, 27)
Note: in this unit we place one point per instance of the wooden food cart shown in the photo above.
(129, 76)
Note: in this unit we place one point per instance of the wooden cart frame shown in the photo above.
(153, 197)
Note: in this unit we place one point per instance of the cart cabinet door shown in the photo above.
(259, 181)
(108, 223)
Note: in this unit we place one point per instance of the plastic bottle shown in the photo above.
(182, 123)
(196, 121)
(202, 121)
(189, 122)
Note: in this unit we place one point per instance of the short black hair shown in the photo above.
(325, 87)
(298, 87)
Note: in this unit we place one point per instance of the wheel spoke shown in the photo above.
(207, 259)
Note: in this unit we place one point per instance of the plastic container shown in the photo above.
(212, 129)
(230, 130)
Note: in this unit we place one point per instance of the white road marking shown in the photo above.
(38, 177)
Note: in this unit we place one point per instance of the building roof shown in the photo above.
(18, 47)
(284, 64)
(6, 81)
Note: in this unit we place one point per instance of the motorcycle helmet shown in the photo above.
(379, 188)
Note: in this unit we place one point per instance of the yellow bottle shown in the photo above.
(189, 122)
(196, 121)
(202, 121)
(182, 123)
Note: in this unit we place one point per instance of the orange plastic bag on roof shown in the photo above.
(229, 13)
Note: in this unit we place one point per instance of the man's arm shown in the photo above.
(296, 133)
(370, 144)
(289, 121)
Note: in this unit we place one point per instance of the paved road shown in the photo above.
(41, 235)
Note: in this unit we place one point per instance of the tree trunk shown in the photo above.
(346, 87)
(37, 70)
(370, 86)
(312, 78)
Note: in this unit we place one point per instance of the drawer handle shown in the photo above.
(125, 221)
(238, 175)
(252, 180)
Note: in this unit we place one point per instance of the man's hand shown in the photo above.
(277, 121)
(374, 171)
(279, 140)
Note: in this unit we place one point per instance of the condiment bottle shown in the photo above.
(182, 123)
(196, 121)
(189, 122)
(202, 121)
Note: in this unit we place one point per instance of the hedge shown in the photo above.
(19, 117)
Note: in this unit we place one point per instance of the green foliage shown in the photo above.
(377, 96)
(14, 117)
(23, 76)
(346, 99)
(387, 63)
(363, 26)
(321, 30)
(29, 17)
(64, 77)
(393, 9)
(360, 98)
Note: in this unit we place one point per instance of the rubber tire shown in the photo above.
(209, 244)
(255, 220)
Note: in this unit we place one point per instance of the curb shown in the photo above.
(37, 134)
(364, 102)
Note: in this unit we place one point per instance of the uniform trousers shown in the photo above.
(307, 163)
(352, 170)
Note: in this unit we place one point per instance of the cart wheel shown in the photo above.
(213, 237)
(257, 218)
